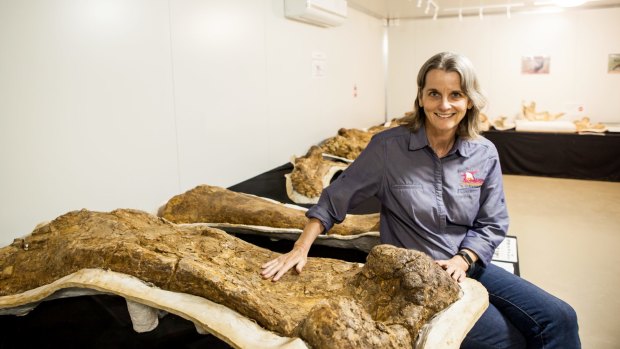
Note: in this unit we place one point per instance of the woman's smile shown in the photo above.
(445, 115)
(444, 102)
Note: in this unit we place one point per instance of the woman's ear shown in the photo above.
(470, 104)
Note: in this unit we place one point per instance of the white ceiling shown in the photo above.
(416, 9)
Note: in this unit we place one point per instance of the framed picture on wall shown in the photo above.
(535, 64)
(613, 65)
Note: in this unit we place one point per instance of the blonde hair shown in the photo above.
(469, 127)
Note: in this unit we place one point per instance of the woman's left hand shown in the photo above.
(455, 266)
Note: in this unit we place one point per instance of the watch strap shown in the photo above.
(466, 257)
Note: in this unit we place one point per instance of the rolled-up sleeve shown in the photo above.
(491, 223)
(361, 180)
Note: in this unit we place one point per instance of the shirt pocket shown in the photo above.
(408, 197)
(468, 205)
(414, 186)
(469, 191)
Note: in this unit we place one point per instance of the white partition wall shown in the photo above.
(124, 103)
(86, 109)
(246, 98)
(219, 61)
(349, 92)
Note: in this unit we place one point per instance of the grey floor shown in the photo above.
(569, 244)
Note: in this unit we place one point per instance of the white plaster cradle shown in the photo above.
(446, 330)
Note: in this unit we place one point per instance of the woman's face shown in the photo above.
(444, 103)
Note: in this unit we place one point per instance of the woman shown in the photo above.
(441, 192)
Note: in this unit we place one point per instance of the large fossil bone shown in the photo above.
(529, 113)
(584, 125)
(210, 204)
(348, 143)
(311, 173)
(395, 293)
(314, 171)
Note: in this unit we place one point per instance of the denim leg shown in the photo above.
(493, 331)
(544, 320)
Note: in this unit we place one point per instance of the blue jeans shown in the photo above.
(520, 315)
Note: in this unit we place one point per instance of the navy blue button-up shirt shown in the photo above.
(437, 206)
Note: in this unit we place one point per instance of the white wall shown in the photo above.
(86, 109)
(125, 103)
(577, 41)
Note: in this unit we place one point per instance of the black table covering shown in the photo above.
(560, 155)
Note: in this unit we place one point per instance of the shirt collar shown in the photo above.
(418, 140)
(462, 147)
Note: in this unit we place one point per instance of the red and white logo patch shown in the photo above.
(469, 179)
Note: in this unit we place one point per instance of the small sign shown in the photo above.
(506, 255)
(506, 251)
(319, 64)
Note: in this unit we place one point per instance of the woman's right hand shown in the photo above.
(275, 268)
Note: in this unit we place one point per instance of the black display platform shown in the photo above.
(99, 322)
(559, 155)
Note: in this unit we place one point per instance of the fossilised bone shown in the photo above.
(397, 289)
(324, 326)
(311, 173)
(530, 113)
(348, 144)
(209, 204)
(446, 330)
(485, 124)
(584, 125)
(204, 262)
(386, 312)
(502, 123)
